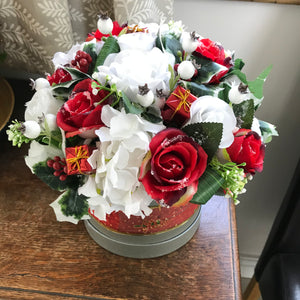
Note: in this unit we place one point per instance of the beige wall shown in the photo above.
(261, 34)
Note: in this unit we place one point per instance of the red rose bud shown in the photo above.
(248, 148)
(82, 112)
(172, 167)
(59, 76)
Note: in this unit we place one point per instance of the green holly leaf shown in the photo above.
(63, 90)
(110, 46)
(208, 135)
(151, 117)
(199, 90)
(131, 107)
(45, 173)
(171, 44)
(73, 204)
(209, 183)
(207, 70)
(256, 86)
(90, 48)
(223, 93)
(245, 112)
(267, 130)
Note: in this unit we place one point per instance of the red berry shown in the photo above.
(66, 169)
(57, 173)
(83, 62)
(50, 163)
(63, 160)
(63, 177)
(57, 158)
(56, 166)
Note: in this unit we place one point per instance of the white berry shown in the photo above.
(105, 26)
(31, 129)
(41, 83)
(147, 99)
(186, 70)
(189, 44)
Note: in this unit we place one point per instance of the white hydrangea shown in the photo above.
(123, 145)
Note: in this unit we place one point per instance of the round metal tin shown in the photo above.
(143, 246)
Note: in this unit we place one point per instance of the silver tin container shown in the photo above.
(143, 246)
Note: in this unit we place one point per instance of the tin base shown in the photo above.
(143, 246)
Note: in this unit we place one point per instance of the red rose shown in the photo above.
(98, 35)
(216, 53)
(81, 112)
(59, 76)
(172, 167)
(247, 147)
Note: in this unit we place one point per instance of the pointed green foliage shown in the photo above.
(199, 90)
(45, 173)
(110, 46)
(90, 49)
(267, 130)
(245, 112)
(131, 107)
(173, 79)
(73, 204)
(256, 86)
(208, 135)
(238, 64)
(64, 89)
(209, 183)
(207, 70)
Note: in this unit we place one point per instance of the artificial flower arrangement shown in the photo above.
(143, 113)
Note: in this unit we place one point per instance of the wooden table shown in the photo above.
(41, 258)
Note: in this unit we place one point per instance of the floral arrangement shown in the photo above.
(143, 113)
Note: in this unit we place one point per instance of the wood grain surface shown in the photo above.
(41, 258)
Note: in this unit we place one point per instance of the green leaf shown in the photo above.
(73, 204)
(173, 80)
(209, 183)
(256, 86)
(207, 70)
(151, 117)
(267, 130)
(90, 48)
(238, 64)
(223, 93)
(245, 111)
(208, 135)
(171, 44)
(76, 74)
(199, 90)
(110, 46)
(131, 107)
(45, 173)
(237, 73)
(64, 89)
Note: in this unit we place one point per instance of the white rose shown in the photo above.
(211, 109)
(42, 103)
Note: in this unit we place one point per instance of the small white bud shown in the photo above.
(189, 42)
(105, 25)
(235, 95)
(94, 92)
(39, 83)
(146, 100)
(51, 121)
(31, 129)
(186, 70)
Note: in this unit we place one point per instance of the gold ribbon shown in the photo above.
(183, 97)
(80, 153)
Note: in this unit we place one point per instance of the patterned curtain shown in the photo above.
(31, 31)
